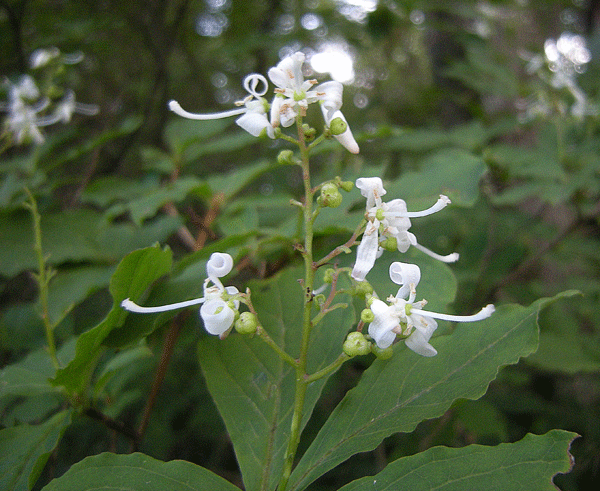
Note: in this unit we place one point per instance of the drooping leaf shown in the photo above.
(137, 472)
(530, 463)
(397, 394)
(254, 389)
(133, 276)
(25, 450)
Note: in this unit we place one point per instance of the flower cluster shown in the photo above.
(217, 311)
(403, 316)
(563, 59)
(387, 228)
(293, 95)
(29, 108)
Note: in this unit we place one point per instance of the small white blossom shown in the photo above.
(217, 314)
(253, 115)
(294, 94)
(405, 317)
(389, 220)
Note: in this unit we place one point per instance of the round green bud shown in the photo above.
(347, 186)
(356, 344)
(338, 126)
(285, 157)
(247, 323)
(329, 188)
(382, 354)
(367, 316)
(328, 275)
(330, 196)
(390, 244)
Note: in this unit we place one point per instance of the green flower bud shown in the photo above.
(347, 186)
(320, 299)
(382, 354)
(328, 275)
(247, 323)
(356, 344)
(338, 126)
(367, 316)
(330, 196)
(389, 244)
(285, 157)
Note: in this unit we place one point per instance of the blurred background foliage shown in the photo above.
(434, 91)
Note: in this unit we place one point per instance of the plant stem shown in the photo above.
(43, 279)
(309, 276)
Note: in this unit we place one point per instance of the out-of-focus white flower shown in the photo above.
(406, 318)
(388, 220)
(294, 94)
(216, 312)
(253, 115)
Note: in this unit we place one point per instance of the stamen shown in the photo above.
(176, 108)
(133, 307)
(484, 313)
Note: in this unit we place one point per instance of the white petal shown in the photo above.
(254, 123)
(346, 138)
(219, 265)
(331, 95)
(407, 275)
(177, 109)
(371, 188)
(418, 341)
(381, 328)
(366, 253)
(217, 316)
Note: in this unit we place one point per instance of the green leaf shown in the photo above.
(133, 276)
(451, 171)
(137, 472)
(25, 450)
(397, 394)
(254, 390)
(530, 463)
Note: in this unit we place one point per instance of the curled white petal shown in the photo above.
(440, 204)
(406, 275)
(450, 258)
(372, 189)
(252, 82)
(255, 123)
(133, 307)
(219, 265)
(217, 316)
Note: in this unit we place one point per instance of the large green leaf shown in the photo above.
(254, 389)
(397, 394)
(530, 463)
(137, 472)
(25, 450)
(133, 276)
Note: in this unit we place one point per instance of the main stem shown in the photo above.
(309, 276)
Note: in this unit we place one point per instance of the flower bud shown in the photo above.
(338, 126)
(362, 288)
(382, 354)
(367, 316)
(330, 196)
(356, 344)
(389, 244)
(285, 157)
(247, 323)
(347, 185)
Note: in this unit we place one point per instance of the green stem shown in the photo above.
(43, 279)
(309, 379)
(309, 277)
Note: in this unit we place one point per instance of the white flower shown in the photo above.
(253, 114)
(294, 94)
(389, 220)
(217, 314)
(405, 317)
